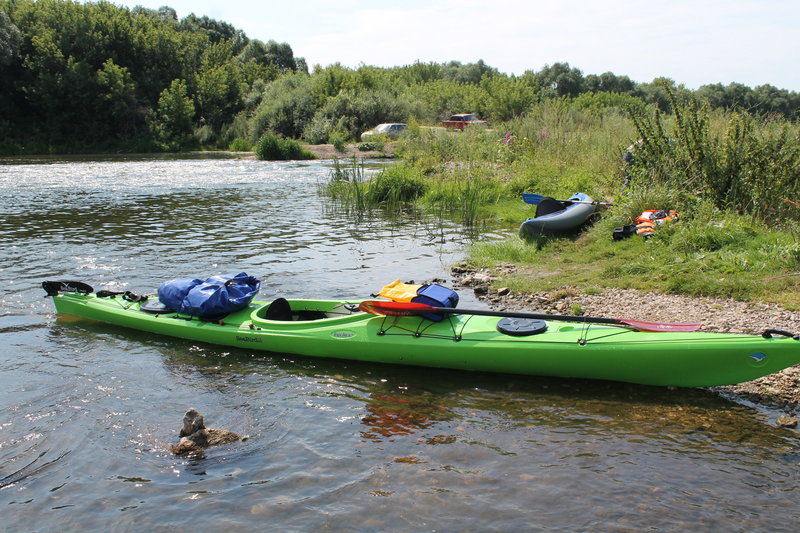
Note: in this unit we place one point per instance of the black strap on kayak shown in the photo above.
(52, 288)
(107, 294)
(768, 334)
(128, 296)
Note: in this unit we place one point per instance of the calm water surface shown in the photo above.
(88, 412)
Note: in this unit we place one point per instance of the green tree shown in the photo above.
(609, 82)
(117, 92)
(218, 86)
(10, 36)
(470, 73)
(559, 79)
(286, 106)
(353, 112)
(508, 97)
(441, 98)
(172, 123)
(216, 30)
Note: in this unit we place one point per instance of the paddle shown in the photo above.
(536, 199)
(378, 307)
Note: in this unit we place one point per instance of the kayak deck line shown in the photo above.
(423, 325)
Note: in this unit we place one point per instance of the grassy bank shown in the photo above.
(734, 179)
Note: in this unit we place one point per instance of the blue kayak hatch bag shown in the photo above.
(437, 296)
(215, 296)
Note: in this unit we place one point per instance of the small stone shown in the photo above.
(483, 278)
(481, 289)
(195, 437)
(787, 421)
(504, 291)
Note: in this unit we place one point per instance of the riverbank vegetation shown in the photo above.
(274, 148)
(733, 177)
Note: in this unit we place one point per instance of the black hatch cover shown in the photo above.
(521, 327)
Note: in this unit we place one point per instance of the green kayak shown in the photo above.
(338, 329)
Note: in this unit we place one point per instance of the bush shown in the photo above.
(339, 142)
(738, 161)
(240, 145)
(273, 148)
(369, 146)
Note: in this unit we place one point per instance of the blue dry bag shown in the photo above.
(437, 296)
(216, 295)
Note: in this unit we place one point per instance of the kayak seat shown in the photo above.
(549, 206)
(279, 310)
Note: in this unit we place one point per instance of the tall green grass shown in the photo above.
(739, 162)
(347, 185)
(358, 191)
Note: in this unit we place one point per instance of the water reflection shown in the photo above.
(402, 413)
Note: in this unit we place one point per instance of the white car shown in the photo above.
(392, 130)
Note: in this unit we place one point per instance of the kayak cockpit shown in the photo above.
(283, 310)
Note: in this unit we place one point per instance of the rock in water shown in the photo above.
(787, 421)
(195, 437)
(192, 422)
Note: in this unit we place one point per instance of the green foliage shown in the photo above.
(118, 91)
(10, 38)
(392, 188)
(737, 161)
(465, 193)
(218, 93)
(240, 145)
(172, 123)
(764, 100)
(558, 79)
(355, 112)
(274, 148)
(339, 141)
(471, 73)
(87, 75)
(347, 185)
(508, 98)
(371, 145)
(396, 184)
(287, 105)
(603, 102)
(438, 99)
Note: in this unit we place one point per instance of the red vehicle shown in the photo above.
(463, 120)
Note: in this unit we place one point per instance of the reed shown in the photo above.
(347, 186)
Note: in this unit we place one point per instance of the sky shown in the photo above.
(693, 42)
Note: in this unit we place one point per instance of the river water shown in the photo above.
(87, 412)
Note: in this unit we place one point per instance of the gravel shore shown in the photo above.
(780, 390)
